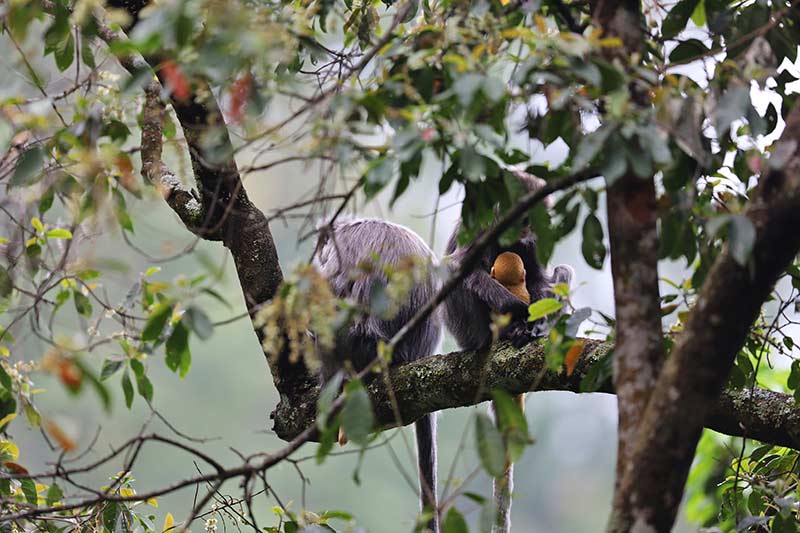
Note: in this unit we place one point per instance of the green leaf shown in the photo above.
(137, 367)
(326, 398)
(86, 53)
(29, 490)
(6, 285)
(542, 308)
(46, 201)
(454, 522)
(475, 497)
(592, 247)
(217, 296)
(699, 14)
(541, 222)
(89, 274)
(379, 173)
(5, 379)
(614, 164)
(121, 212)
(512, 422)
(98, 386)
(334, 513)
(357, 416)
(487, 517)
(82, 304)
(65, 54)
(110, 367)
(687, 50)
(326, 440)
(118, 132)
(54, 494)
(145, 387)
(156, 321)
(110, 516)
(793, 381)
(127, 388)
(28, 168)
(472, 164)
(466, 86)
(490, 447)
(58, 233)
(178, 354)
(589, 147)
(733, 105)
(8, 406)
(677, 18)
(199, 322)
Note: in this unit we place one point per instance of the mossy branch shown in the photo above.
(460, 379)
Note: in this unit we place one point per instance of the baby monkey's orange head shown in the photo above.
(508, 269)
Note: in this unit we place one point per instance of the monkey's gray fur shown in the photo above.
(340, 251)
(468, 309)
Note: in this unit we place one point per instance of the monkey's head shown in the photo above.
(508, 269)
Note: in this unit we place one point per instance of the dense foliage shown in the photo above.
(372, 94)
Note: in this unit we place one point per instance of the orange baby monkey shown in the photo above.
(509, 271)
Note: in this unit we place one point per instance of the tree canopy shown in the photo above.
(678, 129)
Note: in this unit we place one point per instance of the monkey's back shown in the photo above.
(353, 242)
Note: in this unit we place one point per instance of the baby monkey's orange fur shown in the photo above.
(509, 271)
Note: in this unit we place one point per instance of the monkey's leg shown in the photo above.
(503, 485)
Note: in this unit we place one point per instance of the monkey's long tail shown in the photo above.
(503, 486)
(426, 457)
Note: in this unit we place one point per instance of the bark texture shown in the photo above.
(633, 232)
(639, 350)
(701, 359)
(453, 380)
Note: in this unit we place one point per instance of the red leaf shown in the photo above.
(239, 92)
(176, 80)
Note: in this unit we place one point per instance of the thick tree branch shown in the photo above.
(639, 351)
(227, 212)
(178, 197)
(452, 380)
(633, 232)
(715, 331)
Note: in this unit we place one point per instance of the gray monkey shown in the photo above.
(340, 251)
(468, 308)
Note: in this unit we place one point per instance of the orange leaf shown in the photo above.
(127, 177)
(66, 443)
(16, 468)
(70, 374)
(573, 355)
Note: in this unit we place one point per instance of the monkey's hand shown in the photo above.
(521, 332)
(518, 333)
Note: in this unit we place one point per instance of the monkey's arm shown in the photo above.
(494, 295)
(519, 331)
